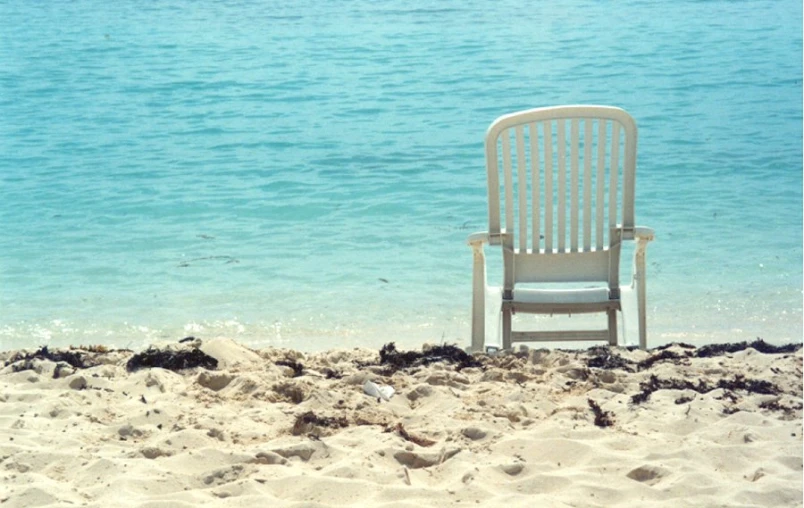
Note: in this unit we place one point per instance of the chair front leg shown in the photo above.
(506, 327)
(478, 298)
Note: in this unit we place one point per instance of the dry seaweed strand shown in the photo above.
(602, 418)
(404, 434)
(395, 360)
(74, 359)
(684, 400)
(305, 421)
(298, 368)
(759, 344)
(661, 356)
(97, 348)
(739, 382)
(775, 405)
(332, 373)
(603, 358)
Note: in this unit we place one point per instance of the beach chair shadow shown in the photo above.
(561, 207)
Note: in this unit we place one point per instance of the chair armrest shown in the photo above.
(478, 239)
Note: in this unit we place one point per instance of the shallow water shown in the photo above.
(306, 175)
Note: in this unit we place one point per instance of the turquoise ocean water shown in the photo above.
(305, 174)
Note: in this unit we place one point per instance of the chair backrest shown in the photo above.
(561, 181)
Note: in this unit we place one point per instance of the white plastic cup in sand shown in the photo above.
(383, 392)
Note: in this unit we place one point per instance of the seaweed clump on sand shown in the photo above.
(396, 360)
(759, 344)
(663, 355)
(306, 423)
(169, 359)
(298, 368)
(72, 358)
(654, 384)
(775, 405)
(603, 358)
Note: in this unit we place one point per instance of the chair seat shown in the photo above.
(561, 296)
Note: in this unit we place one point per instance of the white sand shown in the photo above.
(519, 433)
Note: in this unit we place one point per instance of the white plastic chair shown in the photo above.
(563, 177)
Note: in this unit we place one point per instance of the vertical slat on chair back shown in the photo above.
(567, 177)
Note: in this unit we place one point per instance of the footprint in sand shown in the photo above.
(649, 475)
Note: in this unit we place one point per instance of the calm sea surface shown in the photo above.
(305, 173)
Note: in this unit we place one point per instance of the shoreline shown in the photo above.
(310, 339)
(595, 427)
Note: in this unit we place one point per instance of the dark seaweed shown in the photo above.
(677, 344)
(332, 373)
(398, 360)
(759, 344)
(602, 418)
(654, 384)
(74, 359)
(407, 436)
(603, 359)
(304, 420)
(750, 385)
(171, 360)
(21, 365)
(298, 368)
(775, 405)
(663, 355)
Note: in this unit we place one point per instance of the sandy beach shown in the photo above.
(677, 426)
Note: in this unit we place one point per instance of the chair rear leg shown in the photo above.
(478, 319)
(506, 330)
(641, 304)
(612, 327)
